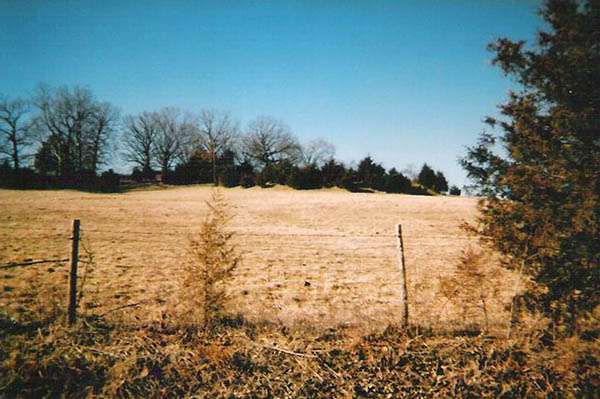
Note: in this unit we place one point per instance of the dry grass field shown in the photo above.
(324, 257)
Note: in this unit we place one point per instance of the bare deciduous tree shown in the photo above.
(159, 139)
(317, 152)
(167, 144)
(99, 133)
(217, 132)
(189, 138)
(138, 140)
(269, 141)
(15, 128)
(74, 127)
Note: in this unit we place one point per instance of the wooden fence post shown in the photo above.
(72, 312)
(403, 269)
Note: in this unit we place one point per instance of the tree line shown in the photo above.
(67, 136)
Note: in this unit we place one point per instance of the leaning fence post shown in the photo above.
(403, 269)
(72, 312)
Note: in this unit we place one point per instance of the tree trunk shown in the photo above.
(15, 153)
(214, 167)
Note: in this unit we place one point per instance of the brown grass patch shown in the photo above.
(326, 257)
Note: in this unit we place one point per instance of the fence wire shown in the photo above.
(350, 261)
(253, 250)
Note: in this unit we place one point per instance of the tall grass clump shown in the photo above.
(214, 260)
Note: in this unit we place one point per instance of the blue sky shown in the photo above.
(404, 81)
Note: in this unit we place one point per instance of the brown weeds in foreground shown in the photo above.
(215, 259)
(237, 359)
(471, 288)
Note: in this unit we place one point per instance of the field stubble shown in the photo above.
(325, 257)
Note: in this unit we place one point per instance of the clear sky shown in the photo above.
(404, 81)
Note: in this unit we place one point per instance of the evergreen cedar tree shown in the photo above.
(541, 196)
(427, 177)
(432, 180)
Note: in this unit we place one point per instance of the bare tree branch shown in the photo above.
(217, 133)
(15, 128)
(269, 140)
(317, 152)
(138, 140)
(74, 129)
(167, 144)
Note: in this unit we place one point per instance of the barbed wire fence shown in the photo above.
(289, 247)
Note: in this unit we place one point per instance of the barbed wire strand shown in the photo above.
(238, 233)
(34, 262)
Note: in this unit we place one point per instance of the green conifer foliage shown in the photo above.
(541, 191)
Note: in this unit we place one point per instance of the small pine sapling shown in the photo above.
(215, 259)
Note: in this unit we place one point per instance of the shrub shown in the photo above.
(306, 178)
(472, 286)
(136, 175)
(260, 180)
(333, 173)
(228, 176)
(21, 178)
(247, 181)
(396, 182)
(455, 190)
(110, 182)
(215, 260)
(349, 181)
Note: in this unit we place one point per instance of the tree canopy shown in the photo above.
(541, 205)
(15, 128)
(75, 130)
